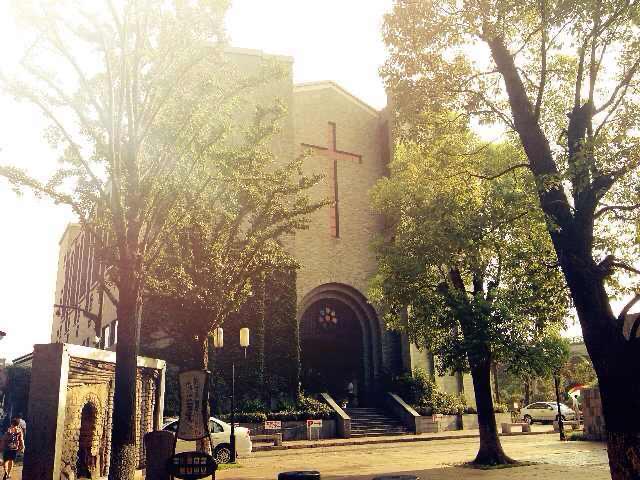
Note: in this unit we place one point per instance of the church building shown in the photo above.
(340, 337)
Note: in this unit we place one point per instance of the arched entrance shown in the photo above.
(340, 343)
(87, 461)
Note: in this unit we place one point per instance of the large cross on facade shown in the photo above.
(333, 154)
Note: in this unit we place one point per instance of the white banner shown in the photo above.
(273, 425)
(193, 405)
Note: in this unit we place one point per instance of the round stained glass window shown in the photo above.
(327, 317)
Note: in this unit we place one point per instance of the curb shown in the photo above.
(400, 439)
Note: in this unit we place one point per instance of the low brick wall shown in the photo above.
(594, 427)
(293, 430)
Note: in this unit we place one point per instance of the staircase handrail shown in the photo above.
(343, 421)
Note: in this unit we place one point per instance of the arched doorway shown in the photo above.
(87, 462)
(340, 343)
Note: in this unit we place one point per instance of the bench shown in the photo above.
(574, 425)
(276, 438)
(506, 427)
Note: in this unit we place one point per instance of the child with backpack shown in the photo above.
(12, 443)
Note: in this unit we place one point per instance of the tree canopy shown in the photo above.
(562, 78)
(466, 268)
(162, 158)
(445, 214)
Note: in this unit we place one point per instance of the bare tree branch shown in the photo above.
(613, 208)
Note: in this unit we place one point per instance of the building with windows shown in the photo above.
(341, 337)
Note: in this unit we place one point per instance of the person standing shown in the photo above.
(12, 443)
(351, 394)
(23, 426)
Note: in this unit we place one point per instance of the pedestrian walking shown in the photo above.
(23, 426)
(12, 443)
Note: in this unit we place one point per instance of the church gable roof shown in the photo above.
(330, 85)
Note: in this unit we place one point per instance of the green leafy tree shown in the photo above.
(563, 78)
(531, 364)
(468, 262)
(142, 109)
(530, 380)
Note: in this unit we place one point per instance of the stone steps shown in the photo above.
(373, 422)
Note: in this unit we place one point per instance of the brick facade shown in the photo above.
(349, 144)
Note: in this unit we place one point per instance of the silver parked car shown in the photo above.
(546, 412)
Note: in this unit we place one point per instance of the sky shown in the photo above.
(329, 40)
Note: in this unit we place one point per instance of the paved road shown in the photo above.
(431, 460)
(434, 460)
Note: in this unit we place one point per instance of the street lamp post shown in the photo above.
(218, 342)
(95, 318)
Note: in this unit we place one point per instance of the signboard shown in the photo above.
(273, 425)
(191, 465)
(314, 423)
(435, 417)
(192, 424)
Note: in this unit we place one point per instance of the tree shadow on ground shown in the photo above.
(525, 472)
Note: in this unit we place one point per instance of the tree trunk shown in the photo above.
(616, 359)
(617, 364)
(124, 452)
(490, 451)
(496, 385)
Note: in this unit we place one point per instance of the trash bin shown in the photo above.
(397, 477)
(301, 475)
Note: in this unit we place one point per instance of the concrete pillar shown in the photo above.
(47, 410)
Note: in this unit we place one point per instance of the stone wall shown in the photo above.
(594, 427)
(294, 429)
(96, 399)
(71, 407)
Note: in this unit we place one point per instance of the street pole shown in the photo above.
(556, 380)
(233, 412)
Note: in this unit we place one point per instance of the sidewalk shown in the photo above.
(424, 437)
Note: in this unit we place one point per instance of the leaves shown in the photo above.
(467, 258)
(165, 148)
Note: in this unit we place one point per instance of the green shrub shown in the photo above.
(252, 405)
(414, 388)
(244, 417)
(425, 397)
(500, 408)
(304, 408)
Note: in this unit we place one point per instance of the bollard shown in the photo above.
(301, 475)
(397, 477)
(159, 449)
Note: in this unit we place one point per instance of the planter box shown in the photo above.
(448, 422)
(294, 430)
(470, 420)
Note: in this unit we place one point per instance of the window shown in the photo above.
(172, 427)
(215, 427)
(114, 333)
(106, 336)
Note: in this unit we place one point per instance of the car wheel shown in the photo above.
(528, 419)
(222, 454)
